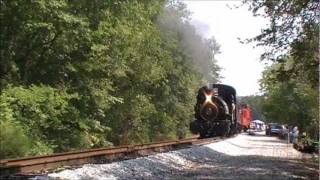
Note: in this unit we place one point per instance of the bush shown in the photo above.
(13, 140)
(40, 120)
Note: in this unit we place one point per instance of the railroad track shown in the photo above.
(42, 164)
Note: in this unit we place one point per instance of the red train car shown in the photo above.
(245, 117)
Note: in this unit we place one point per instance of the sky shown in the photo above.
(240, 62)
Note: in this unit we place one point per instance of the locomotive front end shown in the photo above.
(209, 109)
(212, 111)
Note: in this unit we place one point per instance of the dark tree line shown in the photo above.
(290, 85)
(93, 73)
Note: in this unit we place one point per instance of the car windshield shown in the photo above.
(276, 126)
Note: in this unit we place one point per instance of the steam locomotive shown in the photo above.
(215, 111)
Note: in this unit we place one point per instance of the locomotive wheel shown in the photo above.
(203, 135)
(233, 130)
(203, 131)
(195, 127)
(223, 129)
(227, 129)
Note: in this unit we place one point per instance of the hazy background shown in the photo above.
(240, 62)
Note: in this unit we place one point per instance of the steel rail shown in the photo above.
(41, 164)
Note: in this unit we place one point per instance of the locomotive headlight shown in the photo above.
(208, 110)
(208, 98)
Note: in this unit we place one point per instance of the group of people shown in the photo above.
(291, 133)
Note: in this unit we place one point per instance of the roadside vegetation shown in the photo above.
(290, 85)
(94, 73)
(85, 74)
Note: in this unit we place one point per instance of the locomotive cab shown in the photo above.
(215, 111)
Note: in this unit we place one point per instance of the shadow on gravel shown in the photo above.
(205, 163)
(280, 141)
(202, 162)
(256, 135)
(215, 165)
(255, 146)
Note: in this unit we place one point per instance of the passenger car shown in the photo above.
(274, 129)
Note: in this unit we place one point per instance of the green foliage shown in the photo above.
(13, 141)
(290, 20)
(293, 35)
(306, 141)
(82, 74)
(48, 118)
(291, 83)
(291, 102)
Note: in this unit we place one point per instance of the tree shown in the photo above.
(294, 33)
(91, 73)
(290, 102)
(291, 83)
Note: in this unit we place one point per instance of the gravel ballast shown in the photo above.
(240, 157)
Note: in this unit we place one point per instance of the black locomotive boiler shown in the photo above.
(215, 111)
